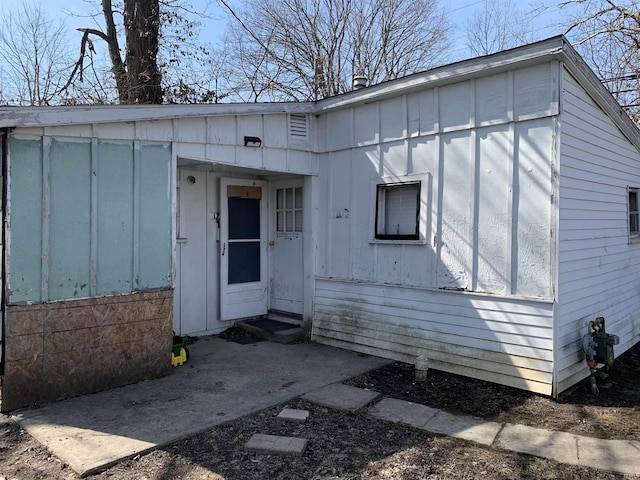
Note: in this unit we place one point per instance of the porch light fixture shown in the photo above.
(252, 142)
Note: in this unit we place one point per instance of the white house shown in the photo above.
(478, 214)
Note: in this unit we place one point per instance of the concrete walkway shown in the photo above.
(619, 456)
(223, 381)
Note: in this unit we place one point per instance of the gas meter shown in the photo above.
(598, 345)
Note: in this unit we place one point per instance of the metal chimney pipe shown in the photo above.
(359, 82)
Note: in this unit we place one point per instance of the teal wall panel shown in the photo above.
(88, 218)
(154, 220)
(70, 227)
(114, 250)
(26, 220)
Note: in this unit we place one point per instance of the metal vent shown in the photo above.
(298, 125)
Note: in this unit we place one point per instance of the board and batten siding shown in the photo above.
(599, 269)
(485, 151)
(87, 218)
(215, 139)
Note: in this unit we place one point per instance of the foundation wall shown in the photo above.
(64, 349)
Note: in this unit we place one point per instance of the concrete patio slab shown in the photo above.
(222, 381)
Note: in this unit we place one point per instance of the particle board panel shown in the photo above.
(84, 346)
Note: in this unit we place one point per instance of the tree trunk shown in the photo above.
(142, 27)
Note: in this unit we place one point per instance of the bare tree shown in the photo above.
(607, 34)
(309, 49)
(34, 53)
(496, 25)
(164, 59)
(137, 76)
(210, 81)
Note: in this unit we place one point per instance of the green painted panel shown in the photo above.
(114, 251)
(70, 227)
(25, 223)
(154, 220)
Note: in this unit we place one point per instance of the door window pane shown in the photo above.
(244, 262)
(289, 209)
(280, 198)
(244, 218)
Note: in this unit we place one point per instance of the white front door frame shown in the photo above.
(246, 296)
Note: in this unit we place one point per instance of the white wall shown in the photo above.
(218, 139)
(599, 270)
(501, 340)
(489, 180)
(485, 149)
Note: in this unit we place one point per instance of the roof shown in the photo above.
(555, 48)
(81, 114)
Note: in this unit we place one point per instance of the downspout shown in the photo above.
(3, 257)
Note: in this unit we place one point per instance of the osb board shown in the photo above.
(23, 321)
(63, 349)
(22, 383)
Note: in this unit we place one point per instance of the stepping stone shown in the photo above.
(341, 397)
(464, 427)
(559, 446)
(274, 444)
(294, 415)
(401, 411)
(436, 421)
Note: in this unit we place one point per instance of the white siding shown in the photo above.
(502, 340)
(486, 227)
(488, 212)
(599, 271)
(215, 139)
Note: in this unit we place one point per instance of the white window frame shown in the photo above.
(634, 235)
(295, 209)
(377, 210)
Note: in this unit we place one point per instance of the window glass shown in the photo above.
(289, 209)
(634, 220)
(398, 209)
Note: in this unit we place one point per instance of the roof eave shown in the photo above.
(13, 117)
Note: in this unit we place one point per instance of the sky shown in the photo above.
(545, 25)
(77, 13)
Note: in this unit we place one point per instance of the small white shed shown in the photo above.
(478, 214)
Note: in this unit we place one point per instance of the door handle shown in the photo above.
(224, 248)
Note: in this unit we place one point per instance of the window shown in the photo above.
(398, 211)
(634, 214)
(289, 209)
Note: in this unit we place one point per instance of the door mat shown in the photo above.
(237, 335)
(271, 326)
(245, 340)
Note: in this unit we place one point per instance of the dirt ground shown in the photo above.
(345, 445)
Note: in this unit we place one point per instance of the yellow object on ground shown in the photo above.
(179, 359)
